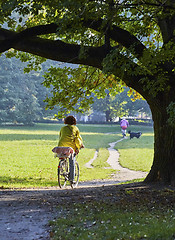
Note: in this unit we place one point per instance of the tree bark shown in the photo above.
(55, 50)
(163, 168)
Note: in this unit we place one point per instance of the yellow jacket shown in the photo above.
(70, 137)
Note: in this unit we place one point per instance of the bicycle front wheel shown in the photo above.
(76, 177)
(63, 173)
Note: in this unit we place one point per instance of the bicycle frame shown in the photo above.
(64, 173)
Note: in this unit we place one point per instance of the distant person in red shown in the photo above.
(124, 124)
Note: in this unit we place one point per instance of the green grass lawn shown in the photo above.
(137, 154)
(27, 160)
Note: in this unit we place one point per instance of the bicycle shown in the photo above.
(64, 173)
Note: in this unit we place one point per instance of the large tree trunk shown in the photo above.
(163, 168)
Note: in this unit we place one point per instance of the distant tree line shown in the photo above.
(21, 94)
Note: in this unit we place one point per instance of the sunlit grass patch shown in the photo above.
(136, 154)
(99, 140)
(27, 160)
(102, 156)
(27, 164)
(136, 159)
(98, 170)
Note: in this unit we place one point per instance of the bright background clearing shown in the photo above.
(27, 160)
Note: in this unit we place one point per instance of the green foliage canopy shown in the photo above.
(118, 32)
(131, 41)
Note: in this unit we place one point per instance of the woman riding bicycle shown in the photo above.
(70, 137)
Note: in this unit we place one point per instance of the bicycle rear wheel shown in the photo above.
(63, 173)
(76, 177)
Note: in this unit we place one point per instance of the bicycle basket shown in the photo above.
(63, 152)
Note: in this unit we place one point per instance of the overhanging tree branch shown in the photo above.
(64, 52)
(56, 50)
(115, 33)
(10, 40)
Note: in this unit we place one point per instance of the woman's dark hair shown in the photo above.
(70, 120)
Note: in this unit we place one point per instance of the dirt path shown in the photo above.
(25, 214)
(122, 174)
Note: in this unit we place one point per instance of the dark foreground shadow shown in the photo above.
(25, 213)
